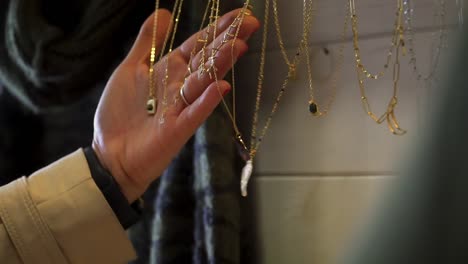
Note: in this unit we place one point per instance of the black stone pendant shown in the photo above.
(313, 108)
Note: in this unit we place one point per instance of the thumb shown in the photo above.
(141, 49)
(195, 114)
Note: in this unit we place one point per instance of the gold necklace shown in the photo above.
(357, 52)
(389, 115)
(199, 40)
(314, 108)
(249, 153)
(279, 37)
(441, 16)
(212, 28)
(152, 103)
(177, 10)
(235, 26)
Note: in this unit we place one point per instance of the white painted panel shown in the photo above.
(305, 220)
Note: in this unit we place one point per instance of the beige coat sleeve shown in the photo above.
(58, 215)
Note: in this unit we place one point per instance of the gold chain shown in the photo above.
(279, 37)
(199, 40)
(314, 107)
(235, 25)
(357, 52)
(256, 139)
(211, 29)
(177, 10)
(389, 115)
(152, 102)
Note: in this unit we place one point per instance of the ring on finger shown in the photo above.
(182, 95)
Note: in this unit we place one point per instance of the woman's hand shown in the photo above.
(137, 147)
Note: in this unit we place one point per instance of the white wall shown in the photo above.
(316, 178)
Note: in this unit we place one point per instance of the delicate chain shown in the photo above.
(357, 52)
(313, 106)
(389, 115)
(177, 10)
(256, 141)
(199, 40)
(211, 29)
(279, 36)
(240, 20)
(260, 80)
(441, 16)
(235, 25)
(212, 70)
(152, 104)
(214, 50)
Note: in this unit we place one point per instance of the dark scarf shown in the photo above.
(53, 51)
(55, 58)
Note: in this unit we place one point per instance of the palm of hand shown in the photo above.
(137, 147)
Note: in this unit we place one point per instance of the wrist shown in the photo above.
(129, 188)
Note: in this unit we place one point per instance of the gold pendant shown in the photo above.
(151, 105)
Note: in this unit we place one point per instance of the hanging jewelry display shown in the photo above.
(398, 43)
(441, 38)
(249, 153)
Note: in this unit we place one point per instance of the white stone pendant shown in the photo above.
(151, 106)
(246, 173)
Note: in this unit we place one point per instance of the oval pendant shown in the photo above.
(313, 108)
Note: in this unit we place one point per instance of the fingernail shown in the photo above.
(226, 91)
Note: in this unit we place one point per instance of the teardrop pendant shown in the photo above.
(246, 174)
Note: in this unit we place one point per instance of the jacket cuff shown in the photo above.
(126, 213)
(77, 214)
